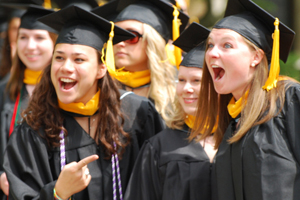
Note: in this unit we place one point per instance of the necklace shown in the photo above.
(90, 124)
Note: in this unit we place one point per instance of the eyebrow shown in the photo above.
(76, 54)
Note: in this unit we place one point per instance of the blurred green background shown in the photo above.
(208, 12)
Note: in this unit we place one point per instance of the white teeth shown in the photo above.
(218, 78)
(67, 80)
(215, 66)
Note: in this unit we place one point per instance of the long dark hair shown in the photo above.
(43, 112)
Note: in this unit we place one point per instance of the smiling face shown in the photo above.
(188, 88)
(132, 56)
(229, 59)
(34, 48)
(75, 72)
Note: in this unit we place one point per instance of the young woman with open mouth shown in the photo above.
(258, 110)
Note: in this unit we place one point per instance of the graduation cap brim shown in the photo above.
(191, 37)
(156, 13)
(108, 11)
(96, 25)
(164, 6)
(192, 40)
(37, 2)
(235, 7)
(195, 57)
(31, 14)
(85, 4)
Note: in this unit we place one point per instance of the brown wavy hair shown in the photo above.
(44, 113)
(261, 105)
(15, 81)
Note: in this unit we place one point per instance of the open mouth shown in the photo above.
(67, 83)
(218, 72)
(190, 100)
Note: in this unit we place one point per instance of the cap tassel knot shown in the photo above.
(275, 66)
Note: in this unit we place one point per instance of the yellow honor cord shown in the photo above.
(47, 4)
(274, 66)
(32, 77)
(88, 109)
(235, 107)
(176, 33)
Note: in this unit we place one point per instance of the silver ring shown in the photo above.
(87, 172)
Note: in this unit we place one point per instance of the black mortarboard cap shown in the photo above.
(11, 11)
(257, 25)
(108, 11)
(192, 40)
(85, 4)
(79, 26)
(156, 13)
(32, 13)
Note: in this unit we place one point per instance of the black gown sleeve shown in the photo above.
(292, 115)
(26, 163)
(144, 183)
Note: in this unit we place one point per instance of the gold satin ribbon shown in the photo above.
(190, 121)
(89, 109)
(31, 77)
(137, 79)
(235, 107)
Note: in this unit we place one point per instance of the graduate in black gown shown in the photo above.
(170, 166)
(71, 142)
(34, 46)
(258, 131)
(143, 61)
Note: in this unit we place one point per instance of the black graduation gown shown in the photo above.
(6, 112)
(33, 168)
(141, 117)
(169, 167)
(264, 164)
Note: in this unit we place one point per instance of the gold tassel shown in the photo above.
(176, 30)
(110, 60)
(47, 4)
(275, 66)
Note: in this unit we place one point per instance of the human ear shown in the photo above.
(102, 69)
(258, 56)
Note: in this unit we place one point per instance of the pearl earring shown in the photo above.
(253, 65)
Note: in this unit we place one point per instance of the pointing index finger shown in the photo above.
(87, 160)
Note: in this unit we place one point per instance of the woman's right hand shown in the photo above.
(4, 185)
(73, 178)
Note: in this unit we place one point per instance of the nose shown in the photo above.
(188, 88)
(120, 44)
(212, 52)
(67, 66)
(31, 43)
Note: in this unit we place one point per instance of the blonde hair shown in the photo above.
(261, 105)
(162, 88)
(177, 120)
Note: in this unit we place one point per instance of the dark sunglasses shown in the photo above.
(135, 39)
